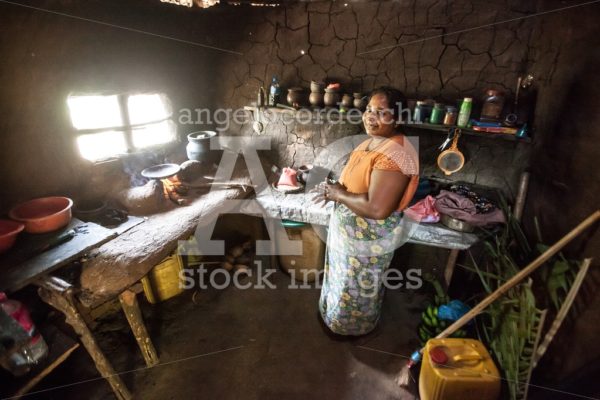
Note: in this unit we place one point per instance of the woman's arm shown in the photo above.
(385, 191)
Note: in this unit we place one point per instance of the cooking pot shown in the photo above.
(198, 147)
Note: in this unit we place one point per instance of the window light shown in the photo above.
(98, 146)
(112, 125)
(95, 112)
(145, 108)
(153, 134)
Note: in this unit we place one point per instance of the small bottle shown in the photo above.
(418, 113)
(465, 112)
(450, 117)
(437, 114)
(260, 99)
(274, 92)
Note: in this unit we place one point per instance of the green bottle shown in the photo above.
(465, 112)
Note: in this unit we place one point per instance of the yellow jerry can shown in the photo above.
(458, 369)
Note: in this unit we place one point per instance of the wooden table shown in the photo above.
(114, 267)
(26, 262)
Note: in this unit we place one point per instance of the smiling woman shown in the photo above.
(376, 184)
(111, 125)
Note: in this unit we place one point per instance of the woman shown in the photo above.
(377, 183)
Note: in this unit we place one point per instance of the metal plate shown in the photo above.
(161, 171)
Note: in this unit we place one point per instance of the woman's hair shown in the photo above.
(394, 97)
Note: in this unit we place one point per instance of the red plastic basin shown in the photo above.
(8, 233)
(43, 215)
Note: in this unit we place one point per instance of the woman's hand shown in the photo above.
(328, 192)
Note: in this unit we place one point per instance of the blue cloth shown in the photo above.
(453, 310)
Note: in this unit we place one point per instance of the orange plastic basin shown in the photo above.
(43, 215)
(8, 233)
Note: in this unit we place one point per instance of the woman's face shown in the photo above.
(378, 118)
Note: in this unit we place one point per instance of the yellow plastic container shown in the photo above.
(458, 369)
(162, 282)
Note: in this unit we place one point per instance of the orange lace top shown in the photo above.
(395, 154)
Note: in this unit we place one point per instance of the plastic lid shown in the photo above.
(438, 355)
(468, 99)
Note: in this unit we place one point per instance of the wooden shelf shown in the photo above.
(443, 129)
(334, 112)
(354, 117)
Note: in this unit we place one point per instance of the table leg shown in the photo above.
(133, 313)
(59, 294)
(450, 264)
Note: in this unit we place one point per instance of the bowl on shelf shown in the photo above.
(8, 233)
(42, 215)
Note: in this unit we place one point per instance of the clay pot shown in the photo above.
(294, 97)
(317, 86)
(331, 98)
(360, 101)
(346, 101)
(198, 147)
(315, 99)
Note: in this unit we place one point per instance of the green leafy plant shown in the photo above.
(512, 326)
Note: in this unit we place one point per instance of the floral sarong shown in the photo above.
(359, 251)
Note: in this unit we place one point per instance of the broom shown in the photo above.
(404, 375)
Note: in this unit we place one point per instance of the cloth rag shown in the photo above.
(462, 208)
(423, 211)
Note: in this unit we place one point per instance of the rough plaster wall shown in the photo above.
(47, 56)
(565, 179)
(334, 36)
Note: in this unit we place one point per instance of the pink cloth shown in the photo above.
(288, 178)
(423, 211)
(460, 207)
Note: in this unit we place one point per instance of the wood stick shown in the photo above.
(210, 184)
(512, 282)
(49, 368)
(562, 313)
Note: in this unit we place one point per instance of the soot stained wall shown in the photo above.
(47, 56)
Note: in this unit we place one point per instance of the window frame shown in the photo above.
(127, 127)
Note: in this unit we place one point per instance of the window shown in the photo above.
(110, 125)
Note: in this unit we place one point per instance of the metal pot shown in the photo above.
(456, 224)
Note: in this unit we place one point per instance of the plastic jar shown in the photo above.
(493, 103)
(437, 114)
(451, 115)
